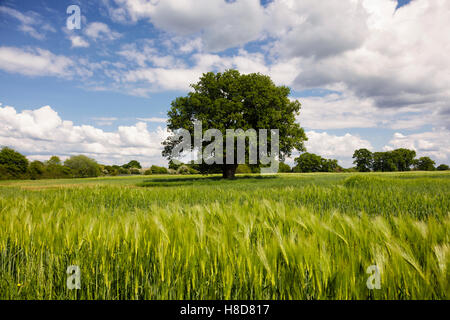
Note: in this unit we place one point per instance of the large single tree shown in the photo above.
(231, 100)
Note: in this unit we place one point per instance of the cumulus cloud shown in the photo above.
(402, 62)
(34, 62)
(434, 144)
(42, 132)
(311, 28)
(333, 146)
(222, 24)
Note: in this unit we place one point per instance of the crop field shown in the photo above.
(292, 236)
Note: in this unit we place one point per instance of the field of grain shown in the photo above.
(293, 236)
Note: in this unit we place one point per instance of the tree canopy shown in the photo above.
(83, 166)
(12, 163)
(231, 100)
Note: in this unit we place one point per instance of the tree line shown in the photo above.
(395, 160)
(14, 165)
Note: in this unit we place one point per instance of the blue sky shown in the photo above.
(114, 79)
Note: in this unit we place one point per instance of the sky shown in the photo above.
(369, 73)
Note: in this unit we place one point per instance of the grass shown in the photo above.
(293, 236)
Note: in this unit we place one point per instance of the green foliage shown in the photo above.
(243, 168)
(82, 166)
(133, 164)
(310, 162)
(384, 162)
(403, 158)
(13, 165)
(36, 170)
(424, 164)
(135, 171)
(230, 100)
(111, 170)
(296, 236)
(159, 170)
(395, 160)
(175, 164)
(54, 160)
(443, 167)
(148, 172)
(183, 169)
(363, 160)
(283, 168)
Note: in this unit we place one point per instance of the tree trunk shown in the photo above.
(229, 171)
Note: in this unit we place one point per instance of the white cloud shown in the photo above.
(42, 132)
(99, 30)
(78, 42)
(221, 24)
(34, 62)
(336, 147)
(29, 23)
(153, 119)
(434, 144)
(311, 28)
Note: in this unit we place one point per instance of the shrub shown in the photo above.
(135, 171)
(83, 166)
(243, 168)
(159, 170)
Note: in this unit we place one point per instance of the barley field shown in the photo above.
(292, 236)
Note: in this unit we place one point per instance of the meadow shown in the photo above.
(291, 236)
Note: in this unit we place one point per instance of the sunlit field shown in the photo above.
(292, 236)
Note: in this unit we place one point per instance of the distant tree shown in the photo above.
(284, 168)
(424, 164)
(148, 172)
(308, 162)
(54, 160)
(135, 171)
(36, 170)
(443, 167)
(13, 164)
(83, 166)
(231, 100)
(363, 160)
(403, 158)
(329, 165)
(159, 170)
(384, 161)
(132, 164)
(111, 170)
